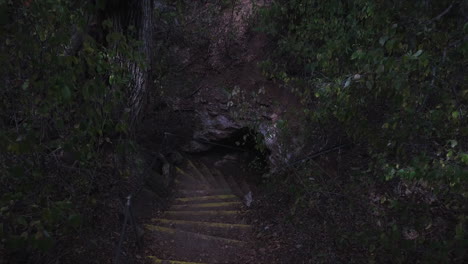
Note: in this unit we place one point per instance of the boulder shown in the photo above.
(215, 128)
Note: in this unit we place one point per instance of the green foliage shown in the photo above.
(63, 111)
(392, 74)
(389, 72)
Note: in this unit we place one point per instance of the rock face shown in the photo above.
(217, 123)
(215, 127)
(270, 133)
(211, 128)
(230, 92)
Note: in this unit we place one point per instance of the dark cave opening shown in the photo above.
(248, 147)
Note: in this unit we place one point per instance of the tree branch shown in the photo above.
(441, 14)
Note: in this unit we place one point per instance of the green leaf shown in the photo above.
(85, 92)
(107, 23)
(381, 68)
(417, 53)
(357, 54)
(21, 221)
(453, 143)
(347, 83)
(25, 85)
(43, 35)
(460, 231)
(383, 40)
(464, 158)
(66, 93)
(75, 220)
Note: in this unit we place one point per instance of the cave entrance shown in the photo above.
(243, 154)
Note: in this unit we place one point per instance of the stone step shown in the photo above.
(206, 206)
(235, 185)
(206, 199)
(182, 174)
(221, 180)
(191, 185)
(235, 189)
(187, 178)
(230, 231)
(156, 260)
(205, 223)
(220, 216)
(244, 186)
(181, 182)
(192, 246)
(181, 193)
(208, 175)
(192, 235)
(196, 172)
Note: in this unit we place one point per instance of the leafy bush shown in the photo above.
(63, 112)
(392, 75)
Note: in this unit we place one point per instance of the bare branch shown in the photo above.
(441, 14)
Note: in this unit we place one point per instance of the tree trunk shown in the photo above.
(137, 13)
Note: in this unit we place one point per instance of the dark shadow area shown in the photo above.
(243, 154)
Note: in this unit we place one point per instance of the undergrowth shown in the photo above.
(387, 76)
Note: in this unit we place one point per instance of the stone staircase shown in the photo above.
(204, 223)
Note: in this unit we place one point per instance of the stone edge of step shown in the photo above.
(164, 261)
(173, 231)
